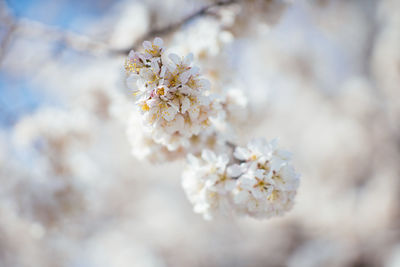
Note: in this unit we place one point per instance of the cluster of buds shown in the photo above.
(181, 118)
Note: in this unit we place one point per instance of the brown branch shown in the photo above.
(9, 25)
(6, 41)
(207, 10)
(81, 42)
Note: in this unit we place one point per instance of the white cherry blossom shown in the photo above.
(171, 96)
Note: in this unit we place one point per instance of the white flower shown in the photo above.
(171, 96)
(156, 108)
(269, 184)
(207, 184)
(143, 145)
(180, 116)
(235, 106)
(154, 49)
(180, 65)
(134, 62)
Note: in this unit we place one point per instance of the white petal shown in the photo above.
(185, 89)
(180, 122)
(241, 153)
(188, 59)
(175, 104)
(241, 197)
(284, 154)
(175, 58)
(192, 160)
(141, 56)
(131, 82)
(155, 66)
(131, 54)
(259, 173)
(257, 193)
(163, 70)
(222, 160)
(194, 111)
(211, 179)
(158, 42)
(205, 84)
(273, 144)
(152, 102)
(230, 184)
(208, 156)
(184, 77)
(146, 74)
(147, 45)
(257, 145)
(194, 70)
(171, 67)
(247, 183)
(169, 113)
(185, 105)
(234, 170)
(277, 163)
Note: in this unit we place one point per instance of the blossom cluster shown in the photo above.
(258, 180)
(173, 98)
(182, 118)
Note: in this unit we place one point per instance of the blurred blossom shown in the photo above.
(322, 253)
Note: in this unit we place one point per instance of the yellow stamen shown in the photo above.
(264, 166)
(274, 195)
(278, 177)
(145, 107)
(173, 81)
(160, 91)
(206, 123)
(154, 51)
(132, 66)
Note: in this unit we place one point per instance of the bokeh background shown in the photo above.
(322, 75)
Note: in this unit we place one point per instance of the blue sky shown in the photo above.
(62, 13)
(17, 95)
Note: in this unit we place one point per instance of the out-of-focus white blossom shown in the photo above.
(52, 125)
(235, 105)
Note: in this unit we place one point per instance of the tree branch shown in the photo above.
(84, 43)
(207, 10)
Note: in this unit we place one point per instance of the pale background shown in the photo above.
(323, 76)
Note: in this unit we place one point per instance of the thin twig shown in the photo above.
(81, 42)
(207, 10)
(6, 41)
(9, 25)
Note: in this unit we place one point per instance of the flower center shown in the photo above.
(160, 91)
(145, 107)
